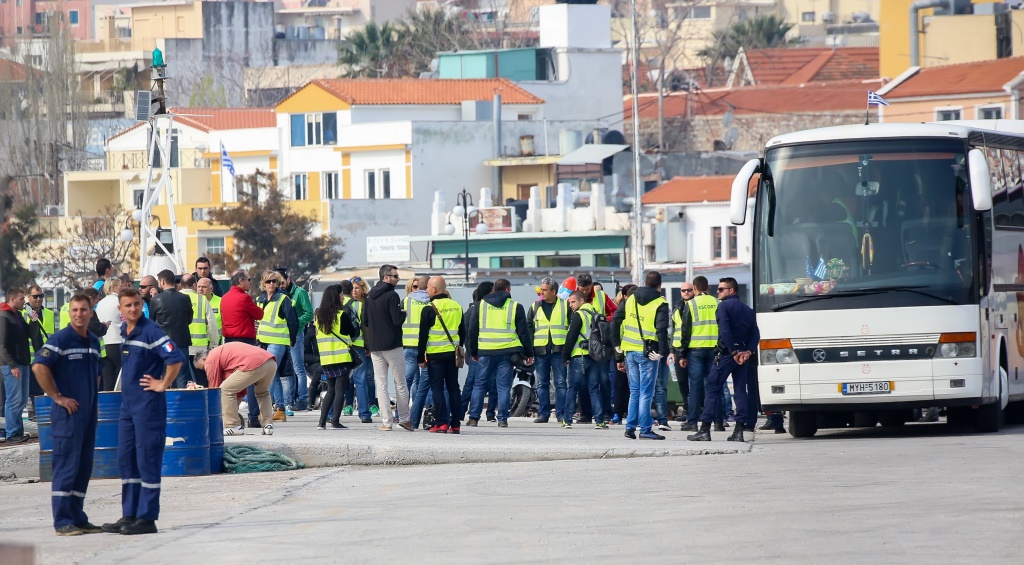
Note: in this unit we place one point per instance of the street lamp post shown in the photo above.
(464, 210)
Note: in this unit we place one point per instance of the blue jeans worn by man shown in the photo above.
(499, 369)
(417, 380)
(547, 366)
(301, 391)
(470, 384)
(17, 398)
(642, 373)
(587, 375)
(698, 365)
(661, 394)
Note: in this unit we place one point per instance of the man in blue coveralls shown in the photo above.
(67, 368)
(149, 363)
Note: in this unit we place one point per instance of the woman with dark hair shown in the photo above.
(621, 380)
(334, 332)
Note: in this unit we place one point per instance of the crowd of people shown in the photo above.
(608, 359)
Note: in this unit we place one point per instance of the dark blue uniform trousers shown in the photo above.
(142, 432)
(74, 440)
(724, 366)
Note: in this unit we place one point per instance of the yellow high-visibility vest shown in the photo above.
(437, 339)
(45, 321)
(273, 327)
(587, 315)
(411, 325)
(631, 326)
(497, 326)
(357, 307)
(198, 329)
(334, 348)
(703, 324)
(553, 330)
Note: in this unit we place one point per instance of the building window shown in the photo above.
(378, 183)
(558, 261)
(385, 182)
(371, 184)
(214, 245)
(524, 117)
(607, 260)
(300, 187)
(507, 262)
(314, 129)
(73, 17)
(716, 243)
(990, 113)
(137, 195)
(329, 182)
(807, 17)
(700, 13)
(947, 115)
(733, 242)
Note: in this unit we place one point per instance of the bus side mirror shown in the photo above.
(740, 190)
(981, 180)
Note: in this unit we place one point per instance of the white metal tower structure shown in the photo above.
(158, 181)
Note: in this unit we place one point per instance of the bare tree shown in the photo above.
(71, 252)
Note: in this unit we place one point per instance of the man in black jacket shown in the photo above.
(382, 332)
(436, 349)
(14, 356)
(203, 271)
(172, 311)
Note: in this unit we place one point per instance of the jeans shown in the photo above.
(280, 388)
(17, 398)
(365, 385)
(544, 367)
(698, 365)
(185, 374)
(727, 402)
(586, 376)
(467, 390)
(496, 368)
(418, 383)
(661, 393)
(444, 383)
(299, 366)
(642, 374)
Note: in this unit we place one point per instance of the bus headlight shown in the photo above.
(777, 352)
(960, 344)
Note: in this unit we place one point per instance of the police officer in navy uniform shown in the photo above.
(738, 338)
(68, 369)
(149, 363)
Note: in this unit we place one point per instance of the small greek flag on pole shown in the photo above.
(820, 271)
(226, 161)
(876, 100)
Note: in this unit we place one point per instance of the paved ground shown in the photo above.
(921, 494)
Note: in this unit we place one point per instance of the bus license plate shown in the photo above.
(881, 387)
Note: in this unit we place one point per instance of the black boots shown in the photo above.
(737, 433)
(703, 435)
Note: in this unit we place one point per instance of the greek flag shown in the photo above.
(876, 100)
(820, 271)
(226, 161)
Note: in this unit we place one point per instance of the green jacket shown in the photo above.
(300, 301)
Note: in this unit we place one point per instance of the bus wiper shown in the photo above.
(864, 292)
(837, 294)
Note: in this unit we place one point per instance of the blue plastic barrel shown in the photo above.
(43, 406)
(187, 448)
(216, 432)
(104, 459)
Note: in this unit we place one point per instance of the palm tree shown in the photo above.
(762, 32)
(372, 51)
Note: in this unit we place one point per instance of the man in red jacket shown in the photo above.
(238, 314)
(238, 311)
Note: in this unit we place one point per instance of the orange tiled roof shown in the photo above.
(219, 119)
(11, 71)
(691, 190)
(809, 98)
(801, 65)
(965, 78)
(374, 92)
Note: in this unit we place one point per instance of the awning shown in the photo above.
(591, 154)
(522, 161)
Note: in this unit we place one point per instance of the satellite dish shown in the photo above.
(728, 119)
(731, 135)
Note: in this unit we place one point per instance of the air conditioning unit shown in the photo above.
(828, 18)
(53, 211)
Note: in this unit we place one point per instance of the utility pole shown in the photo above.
(638, 232)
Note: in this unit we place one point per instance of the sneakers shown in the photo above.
(233, 431)
(374, 411)
(280, 416)
(139, 527)
(600, 426)
(365, 421)
(567, 424)
(502, 424)
(472, 422)
(492, 418)
(454, 430)
(69, 530)
(540, 420)
(347, 411)
(651, 435)
(439, 429)
(616, 419)
(89, 528)
(321, 427)
(407, 426)
(338, 426)
(288, 411)
(268, 430)
(664, 427)
(20, 438)
(688, 427)
(385, 428)
(630, 434)
(115, 527)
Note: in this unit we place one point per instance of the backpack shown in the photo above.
(598, 343)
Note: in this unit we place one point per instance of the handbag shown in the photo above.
(649, 346)
(357, 360)
(460, 352)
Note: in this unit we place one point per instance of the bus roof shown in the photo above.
(873, 131)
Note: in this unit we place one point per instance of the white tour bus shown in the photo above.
(888, 272)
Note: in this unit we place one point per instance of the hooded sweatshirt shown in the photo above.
(644, 295)
(522, 329)
(382, 318)
(13, 337)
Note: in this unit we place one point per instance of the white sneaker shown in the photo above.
(233, 431)
(268, 430)
(321, 428)
(664, 427)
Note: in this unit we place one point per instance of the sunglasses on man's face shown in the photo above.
(686, 290)
(36, 296)
(723, 288)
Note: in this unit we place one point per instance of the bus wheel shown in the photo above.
(989, 418)
(893, 418)
(958, 417)
(803, 424)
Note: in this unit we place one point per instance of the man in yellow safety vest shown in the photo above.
(549, 323)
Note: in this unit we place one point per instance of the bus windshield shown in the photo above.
(864, 224)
